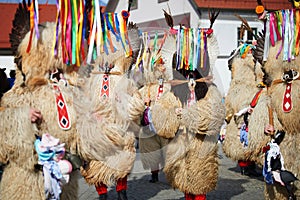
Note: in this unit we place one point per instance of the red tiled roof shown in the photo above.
(243, 4)
(7, 12)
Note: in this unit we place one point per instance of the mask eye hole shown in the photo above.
(285, 76)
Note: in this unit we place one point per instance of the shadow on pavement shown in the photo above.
(227, 188)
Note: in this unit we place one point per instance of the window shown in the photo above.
(248, 36)
(160, 1)
(134, 5)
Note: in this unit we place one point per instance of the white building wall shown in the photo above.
(150, 10)
(225, 30)
(8, 63)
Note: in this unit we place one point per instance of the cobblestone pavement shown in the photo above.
(231, 185)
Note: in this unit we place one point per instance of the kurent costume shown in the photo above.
(116, 99)
(159, 121)
(247, 97)
(45, 82)
(279, 59)
(243, 94)
(276, 57)
(281, 75)
(191, 163)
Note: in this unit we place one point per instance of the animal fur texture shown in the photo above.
(115, 113)
(37, 92)
(165, 121)
(242, 90)
(122, 107)
(289, 122)
(191, 157)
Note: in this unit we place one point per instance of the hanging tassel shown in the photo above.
(99, 34)
(153, 58)
(79, 33)
(267, 40)
(178, 50)
(197, 49)
(55, 39)
(191, 54)
(282, 16)
(286, 36)
(36, 18)
(297, 32)
(202, 50)
(63, 12)
(68, 32)
(31, 11)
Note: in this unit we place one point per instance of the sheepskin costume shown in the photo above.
(121, 107)
(239, 96)
(243, 91)
(274, 70)
(191, 157)
(21, 180)
(164, 122)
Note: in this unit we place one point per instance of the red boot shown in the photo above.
(121, 188)
(194, 197)
(102, 191)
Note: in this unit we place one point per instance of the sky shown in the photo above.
(44, 1)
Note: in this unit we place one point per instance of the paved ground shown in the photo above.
(231, 185)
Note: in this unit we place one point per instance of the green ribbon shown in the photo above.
(74, 28)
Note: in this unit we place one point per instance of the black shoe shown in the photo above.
(154, 178)
(103, 197)
(252, 171)
(244, 171)
(122, 195)
(292, 197)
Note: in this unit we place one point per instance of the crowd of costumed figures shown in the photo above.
(262, 102)
(91, 82)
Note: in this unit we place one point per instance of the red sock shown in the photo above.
(189, 196)
(101, 189)
(243, 163)
(200, 197)
(121, 184)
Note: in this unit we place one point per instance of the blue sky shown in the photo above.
(43, 1)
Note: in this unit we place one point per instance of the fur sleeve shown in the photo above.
(164, 117)
(207, 115)
(17, 137)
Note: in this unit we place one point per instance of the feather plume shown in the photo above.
(245, 25)
(213, 15)
(259, 2)
(258, 52)
(242, 32)
(168, 17)
(20, 26)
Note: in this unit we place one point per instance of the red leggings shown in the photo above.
(121, 185)
(194, 197)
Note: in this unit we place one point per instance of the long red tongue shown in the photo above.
(105, 86)
(287, 99)
(64, 121)
(255, 98)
